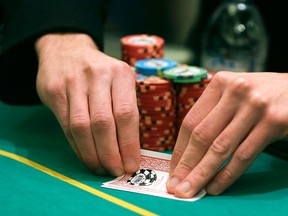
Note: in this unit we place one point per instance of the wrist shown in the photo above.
(62, 41)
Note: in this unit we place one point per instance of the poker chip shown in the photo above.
(143, 177)
(156, 66)
(141, 46)
(156, 99)
(186, 74)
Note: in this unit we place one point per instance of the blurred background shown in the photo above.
(172, 20)
(181, 23)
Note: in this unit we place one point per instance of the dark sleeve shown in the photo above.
(275, 21)
(26, 20)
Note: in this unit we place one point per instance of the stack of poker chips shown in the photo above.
(156, 100)
(188, 94)
(191, 82)
(166, 90)
(141, 46)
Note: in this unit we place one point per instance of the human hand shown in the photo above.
(235, 118)
(94, 99)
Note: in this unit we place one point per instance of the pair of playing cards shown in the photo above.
(150, 179)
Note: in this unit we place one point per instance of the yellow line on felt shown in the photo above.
(77, 184)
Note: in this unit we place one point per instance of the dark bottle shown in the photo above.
(235, 38)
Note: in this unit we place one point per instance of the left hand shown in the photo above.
(235, 118)
(94, 99)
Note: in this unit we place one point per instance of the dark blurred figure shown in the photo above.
(273, 16)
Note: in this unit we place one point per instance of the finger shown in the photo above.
(220, 150)
(127, 118)
(80, 126)
(241, 160)
(63, 119)
(55, 98)
(200, 109)
(206, 132)
(103, 124)
(203, 132)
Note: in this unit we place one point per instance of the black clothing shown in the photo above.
(27, 20)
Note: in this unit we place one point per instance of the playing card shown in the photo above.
(151, 177)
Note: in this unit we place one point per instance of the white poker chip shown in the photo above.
(143, 177)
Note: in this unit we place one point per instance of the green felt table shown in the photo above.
(40, 175)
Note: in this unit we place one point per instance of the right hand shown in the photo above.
(94, 99)
(233, 121)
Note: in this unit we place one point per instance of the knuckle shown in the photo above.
(125, 112)
(244, 155)
(257, 101)
(121, 66)
(219, 77)
(102, 121)
(239, 87)
(201, 173)
(177, 152)
(275, 116)
(227, 175)
(201, 136)
(54, 88)
(189, 122)
(272, 116)
(78, 123)
(127, 144)
(186, 165)
(220, 146)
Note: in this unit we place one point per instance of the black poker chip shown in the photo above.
(143, 177)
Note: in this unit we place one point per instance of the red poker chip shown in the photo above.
(152, 142)
(154, 128)
(153, 80)
(157, 143)
(159, 133)
(141, 46)
(142, 40)
(159, 149)
(157, 97)
(154, 89)
(188, 100)
(147, 118)
(143, 53)
(161, 125)
(148, 104)
(160, 115)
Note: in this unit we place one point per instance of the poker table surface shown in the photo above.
(40, 175)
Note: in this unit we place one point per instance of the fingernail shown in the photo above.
(185, 187)
(213, 187)
(174, 182)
